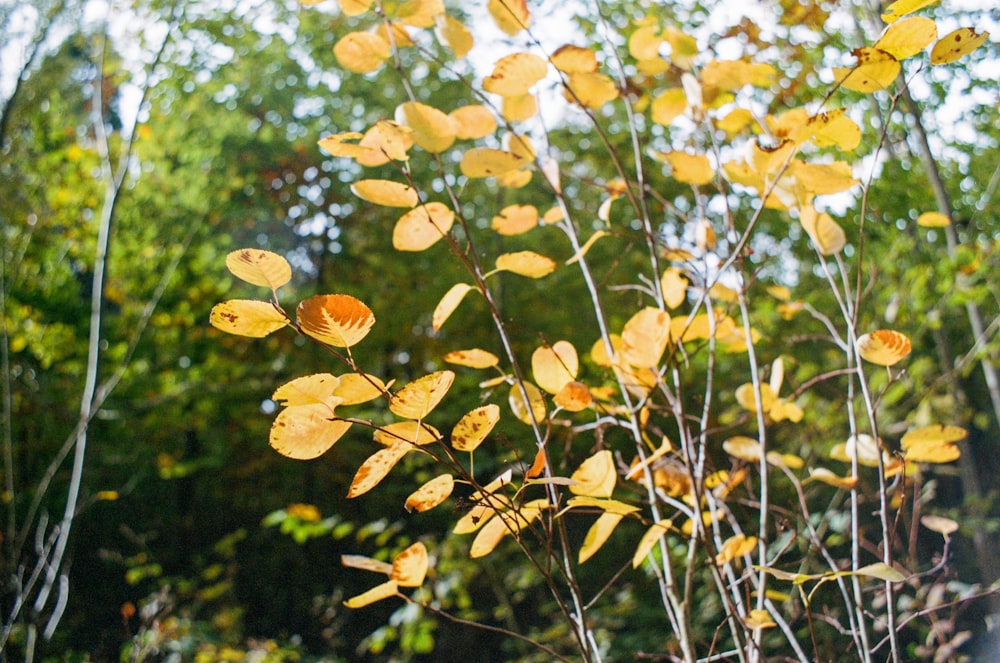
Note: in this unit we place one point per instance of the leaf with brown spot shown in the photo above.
(410, 566)
(956, 44)
(431, 494)
(376, 467)
(417, 399)
(259, 267)
(472, 429)
(514, 74)
(473, 358)
(574, 397)
(247, 317)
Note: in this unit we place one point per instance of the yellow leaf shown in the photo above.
(422, 227)
(247, 317)
(449, 303)
(474, 358)
(480, 514)
(535, 407)
(586, 247)
(514, 179)
(386, 192)
(590, 89)
(356, 388)
(901, 8)
(503, 524)
(683, 47)
(735, 121)
(489, 162)
(305, 432)
(759, 619)
(337, 320)
(648, 540)
(394, 34)
(474, 427)
(884, 347)
(668, 106)
(932, 444)
(905, 38)
(734, 74)
(514, 74)
(354, 7)
(385, 141)
(361, 52)
(596, 476)
(317, 389)
(933, 220)
(693, 169)
(414, 432)
(742, 447)
(453, 34)
(875, 70)
(432, 130)
(821, 178)
(526, 263)
(377, 593)
(259, 267)
(943, 526)
(511, 16)
(431, 494)
(519, 145)
(831, 479)
(735, 547)
(644, 43)
(417, 399)
(826, 234)
(473, 121)
(957, 43)
(376, 467)
(832, 128)
(420, 13)
(571, 59)
(410, 566)
(555, 365)
(645, 337)
(768, 160)
(935, 433)
(863, 446)
(882, 571)
(515, 219)
(366, 564)
(519, 108)
(574, 397)
(610, 506)
(598, 534)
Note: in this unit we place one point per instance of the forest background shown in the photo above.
(141, 144)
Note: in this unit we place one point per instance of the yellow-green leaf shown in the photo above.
(417, 399)
(882, 571)
(337, 320)
(957, 43)
(259, 267)
(247, 317)
(474, 427)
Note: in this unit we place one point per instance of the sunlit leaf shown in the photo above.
(515, 74)
(668, 106)
(590, 89)
(386, 192)
(644, 43)
(833, 128)
(514, 179)
(533, 408)
(422, 227)
(957, 43)
(473, 121)
(933, 220)
(735, 547)
(338, 320)
(742, 447)
(586, 247)
(366, 564)
(356, 388)
(247, 317)
(863, 446)
(881, 571)
(759, 618)
(905, 38)
(827, 236)
(645, 337)
(304, 432)
(474, 427)
(519, 108)
(420, 13)
(515, 219)
(432, 130)
(932, 444)
(376, 467)
(571, 59)
(385, 140)
(410, 566)
(884, 347)
(828, 477)
(935, 433)
(648, 540)
(901, 8)
(473, 358)
(479, 514)
(414, 432)
(598, 534)
(526, 263)
(417, 399)
(431, 494)
(574, 397)
(354, 7)
(361, 52)
(875, 70)
(821, 178)
(489, 162)
(735, 121)
(449, 303)
(690, 168)
(377, 593)
(259, 267)
(734, 74)
(511, 16)
(394, 33)
(596, 476)
(553, 366)
(317, 389)
(453, 34)
(943, 526)
(767, 160)
(674, 285)
(500, 526)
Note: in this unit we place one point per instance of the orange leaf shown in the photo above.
(574, 397)
(337, 320)
(884, 347)
(259, 267)
(431, 494)
(472, 429)
(376, 467)
(417, 399)
(537, 467)
(571, 59)
(247, 317)
(410, 566)
(422, 227)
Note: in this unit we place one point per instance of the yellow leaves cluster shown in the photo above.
(408, 569)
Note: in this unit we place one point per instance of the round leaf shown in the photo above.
(474, 121)
(645, 337)
(431, 494)
(259, 267)
(386, 192)
(422, 227)
(511, 16)
(472, 429)
(247, 317)
(554, 366)
(515, 219)
(514, 74)
(337, 320)
(306, 431)
(361, 52)
(957, 43)
(489, 162)
(884, 347)
(526, 263)
(417, 399)
(432, 130)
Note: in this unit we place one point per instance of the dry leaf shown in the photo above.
(431, 494)
(410, 566)
(474, 427)
(884, 347)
